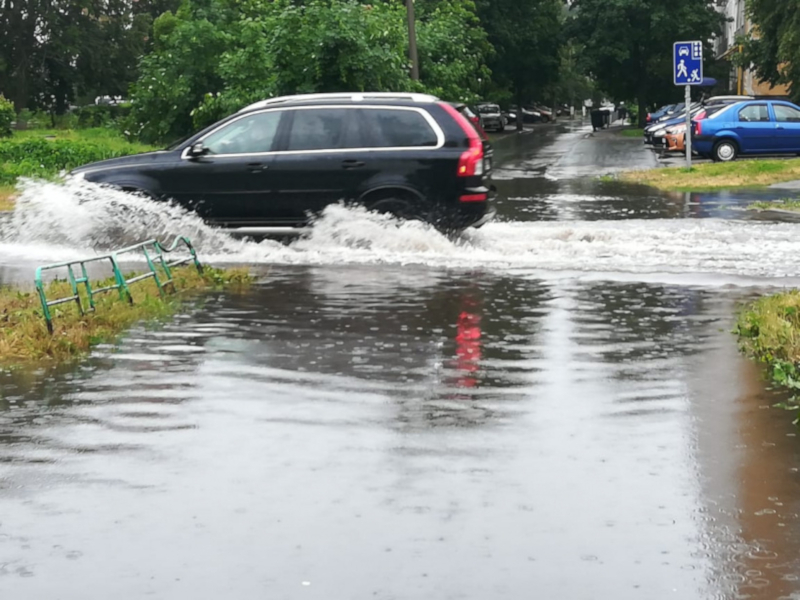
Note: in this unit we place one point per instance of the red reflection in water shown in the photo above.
(468, 346)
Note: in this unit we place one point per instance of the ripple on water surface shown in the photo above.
(462, 435)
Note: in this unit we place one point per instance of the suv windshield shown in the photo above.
(488, 108)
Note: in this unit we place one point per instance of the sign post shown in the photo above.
(688, 71)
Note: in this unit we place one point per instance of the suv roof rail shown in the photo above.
(354, 96)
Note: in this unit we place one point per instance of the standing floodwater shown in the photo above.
(549, 408)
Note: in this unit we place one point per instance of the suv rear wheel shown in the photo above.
(399, 207)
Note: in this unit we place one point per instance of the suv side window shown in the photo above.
(755, 113)
(322, 129)
(249, 135)
(786, 114)
(399, 128)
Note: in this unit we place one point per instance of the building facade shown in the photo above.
(743, 80)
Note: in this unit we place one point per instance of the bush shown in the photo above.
(7, 116)
(28, 119)
(44, 158)
(101, 115)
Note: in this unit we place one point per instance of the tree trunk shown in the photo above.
(519, 109)
(642, 112)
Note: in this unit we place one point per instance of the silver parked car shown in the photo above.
(491, 117)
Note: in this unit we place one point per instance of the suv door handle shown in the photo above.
(256, 167)
(352, 164)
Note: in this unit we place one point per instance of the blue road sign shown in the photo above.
(688, 63)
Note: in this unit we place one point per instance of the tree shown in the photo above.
(628, 43)
(53, 51)
(775, 47)
(527, 37)
(453, 50)
(212, 57)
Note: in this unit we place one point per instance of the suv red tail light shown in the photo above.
(698, 127)
(471, 161)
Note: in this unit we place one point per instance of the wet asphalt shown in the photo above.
(411, 431)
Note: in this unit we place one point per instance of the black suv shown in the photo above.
(270, 167)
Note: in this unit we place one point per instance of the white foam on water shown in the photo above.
(58, 221)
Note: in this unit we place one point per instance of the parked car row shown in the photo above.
(726, 127)
(748, 128)
(664, 133)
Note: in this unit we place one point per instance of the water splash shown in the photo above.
(84, 216)
(61, 219)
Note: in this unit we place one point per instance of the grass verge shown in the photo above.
(23, 332)
(785, 204)
(633, 133)
(44, 153)
(718, 176)
(769, 331)
(102, 136)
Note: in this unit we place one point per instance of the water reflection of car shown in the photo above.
(749, 128)
(269, 168)
(491, 117)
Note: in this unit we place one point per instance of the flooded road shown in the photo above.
(552, 406)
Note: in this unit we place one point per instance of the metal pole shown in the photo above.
(688, 134)
(412, 40)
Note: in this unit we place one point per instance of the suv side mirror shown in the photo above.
(197, 149)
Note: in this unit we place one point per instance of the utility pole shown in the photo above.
(412, 40)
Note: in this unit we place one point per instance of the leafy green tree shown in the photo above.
(453, 49)
(7, 115)
(628, 43)
(211, 57)
(527, 38)
(54, 51)
(775, 47)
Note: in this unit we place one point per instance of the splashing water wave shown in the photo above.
(55, 221)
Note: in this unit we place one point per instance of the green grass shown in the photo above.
(103, 136)
(783, 204)
(769, 331)
(634, 133)
(44, 153)
(24, 338)
(718, 176)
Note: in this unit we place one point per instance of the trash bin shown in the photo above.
(598, 119)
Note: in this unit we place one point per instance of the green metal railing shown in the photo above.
(155, 256)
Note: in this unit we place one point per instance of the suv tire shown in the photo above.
(396, 207)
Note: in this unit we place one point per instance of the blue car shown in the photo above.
(661, 112)
(748, 128)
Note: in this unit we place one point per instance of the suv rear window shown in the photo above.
(398, 128)
(321, 129)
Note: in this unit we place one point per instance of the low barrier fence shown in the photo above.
(155, 255)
